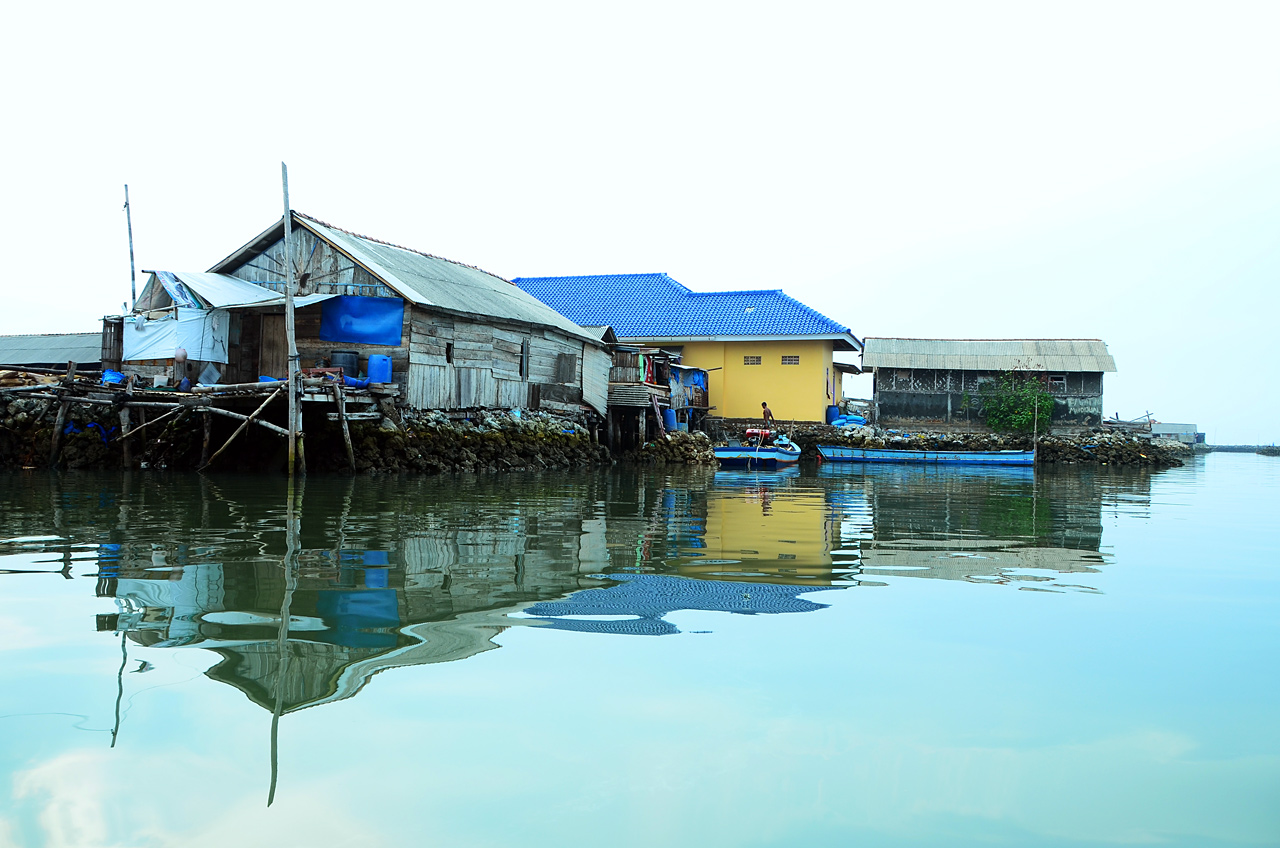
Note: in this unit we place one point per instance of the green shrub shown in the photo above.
(1015, 402)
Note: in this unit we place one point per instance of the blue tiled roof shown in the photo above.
(656, 306)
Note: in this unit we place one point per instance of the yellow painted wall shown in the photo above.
(794, 392)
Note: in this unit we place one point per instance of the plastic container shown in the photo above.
(833, 412)
(379, 368)
(669, 419)
(682, 426)
(347, 360)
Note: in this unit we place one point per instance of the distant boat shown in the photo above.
(782, 452)
(832, 453)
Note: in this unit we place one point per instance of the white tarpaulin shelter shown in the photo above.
(202, 332)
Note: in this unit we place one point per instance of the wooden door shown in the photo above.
(273, 357)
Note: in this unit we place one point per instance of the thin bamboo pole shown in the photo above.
(295, 387)
(133, 273)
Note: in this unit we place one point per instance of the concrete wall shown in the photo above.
(794, 392)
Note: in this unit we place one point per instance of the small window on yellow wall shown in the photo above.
(750, 360)
(790, 360)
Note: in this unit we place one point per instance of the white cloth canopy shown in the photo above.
(203, 332)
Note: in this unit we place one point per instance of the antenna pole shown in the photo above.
(295, 383)
(133, 273)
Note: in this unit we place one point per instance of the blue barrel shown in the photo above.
(682, 426)
(669, 419)
(379, 368)
(833, 412)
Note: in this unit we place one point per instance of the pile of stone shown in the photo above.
(26, 434)
(432, 442)
(1173, 446)
(676, 448)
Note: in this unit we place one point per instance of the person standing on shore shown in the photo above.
(768, 414)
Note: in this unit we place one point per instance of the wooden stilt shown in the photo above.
(242, 426)
(341, 399)
(55, 446)
(126, 427)
(208, 433)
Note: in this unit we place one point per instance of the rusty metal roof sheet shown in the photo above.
(989, 354)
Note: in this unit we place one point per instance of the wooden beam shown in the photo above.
(239, 387)
(142, 427)
(240, 416)
(356, 416)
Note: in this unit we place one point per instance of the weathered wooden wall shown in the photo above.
(457, 363)
(319, 269)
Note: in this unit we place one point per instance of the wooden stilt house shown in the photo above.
(457, 337)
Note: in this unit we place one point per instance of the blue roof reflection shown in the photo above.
(650, 597)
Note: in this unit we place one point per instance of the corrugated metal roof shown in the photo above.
(989, 354)
(433, 281)
(655, 306)
(51, 348)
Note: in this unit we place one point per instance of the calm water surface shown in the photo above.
(872, 656)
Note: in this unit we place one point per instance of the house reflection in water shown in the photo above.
(433, 597)
(1011, 525)
(424, 573)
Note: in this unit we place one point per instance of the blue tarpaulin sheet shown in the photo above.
(363, 320)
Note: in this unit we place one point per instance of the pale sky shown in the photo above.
(957, 170)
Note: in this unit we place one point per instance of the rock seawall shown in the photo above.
(1091, 448)
(678, 448)
(401, 441)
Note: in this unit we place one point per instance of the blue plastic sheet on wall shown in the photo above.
(364, 320)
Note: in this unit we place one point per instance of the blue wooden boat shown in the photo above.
(832, 453)
(781, 453)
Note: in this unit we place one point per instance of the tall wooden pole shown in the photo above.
(294, 374)
(133, 273)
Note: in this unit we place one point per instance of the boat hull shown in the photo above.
(748, 457)
(833, 453)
